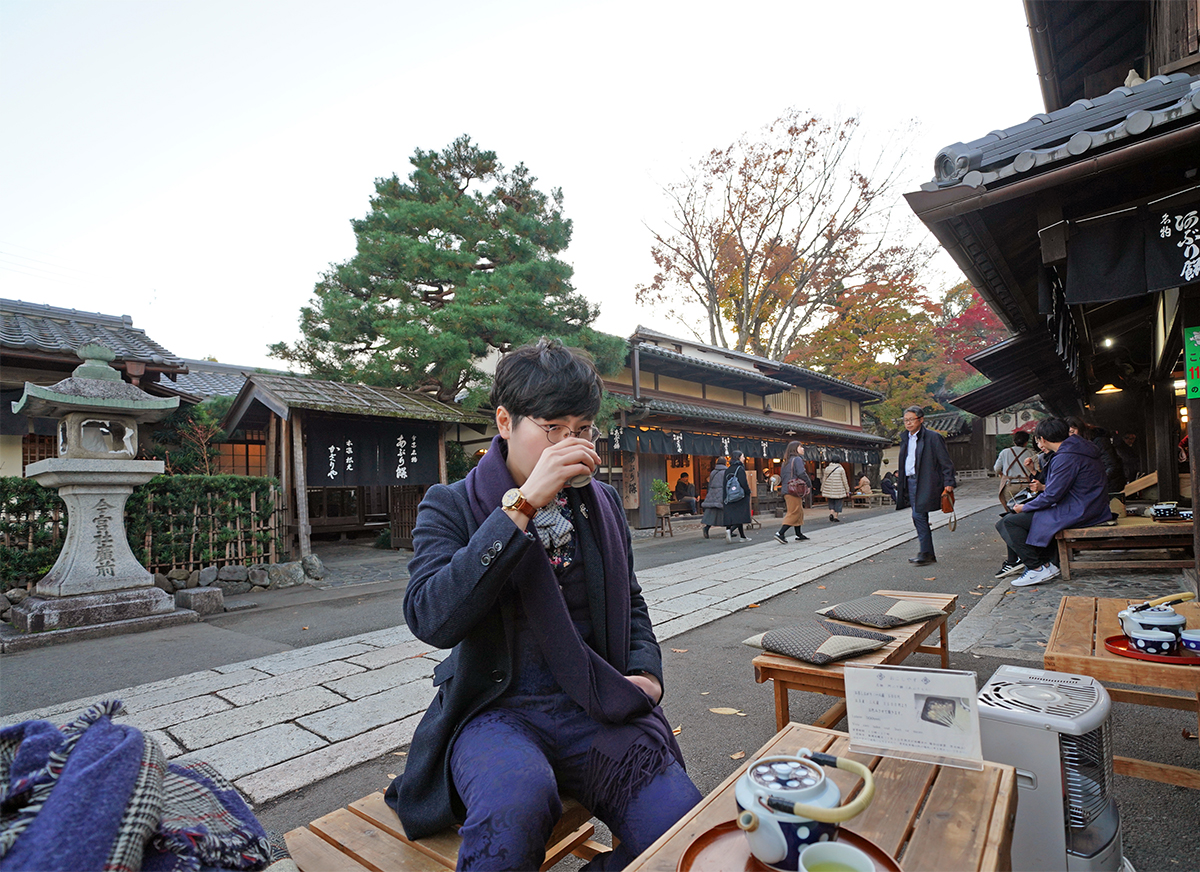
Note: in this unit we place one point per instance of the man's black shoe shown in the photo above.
(923, 560)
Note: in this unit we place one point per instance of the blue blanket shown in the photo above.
(94, 795)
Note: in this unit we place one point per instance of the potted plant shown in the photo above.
(660, 493)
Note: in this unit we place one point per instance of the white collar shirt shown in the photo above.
(910, 461)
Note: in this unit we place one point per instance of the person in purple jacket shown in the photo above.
(1076, 495)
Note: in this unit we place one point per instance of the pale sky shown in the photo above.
(196, 164)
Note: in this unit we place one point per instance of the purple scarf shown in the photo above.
(635, 742)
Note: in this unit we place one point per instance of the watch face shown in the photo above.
(510, 498)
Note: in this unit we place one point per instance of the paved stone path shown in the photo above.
(287, 720)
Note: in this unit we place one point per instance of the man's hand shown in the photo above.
(649, 685)
(558, 464)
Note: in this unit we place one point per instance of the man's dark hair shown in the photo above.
(1020, 439)
(1052, 430)
(683, 475)
(547, 380)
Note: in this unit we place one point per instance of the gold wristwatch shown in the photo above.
(514, 499)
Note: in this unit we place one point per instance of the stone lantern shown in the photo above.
(96, 578)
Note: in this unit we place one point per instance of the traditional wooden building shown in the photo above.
(348, 457)
(1081, 227)
(690, 402)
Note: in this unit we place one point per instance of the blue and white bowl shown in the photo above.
(1191, 640)
(1161, 642)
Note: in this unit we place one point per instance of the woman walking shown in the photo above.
(791, 470)
(737, 508)
(836, 489)
(714, 497)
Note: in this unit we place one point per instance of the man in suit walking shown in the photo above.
(926, 472)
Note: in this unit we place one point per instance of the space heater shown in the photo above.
(1054, 729)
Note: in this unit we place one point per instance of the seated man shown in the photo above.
(685, 492)
(1075, 495)
(555, 675)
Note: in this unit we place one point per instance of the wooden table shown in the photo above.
(1077, 646)
(1129, 535)
(791, 674)
(929, 818)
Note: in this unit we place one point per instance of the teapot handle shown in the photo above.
(831, 815)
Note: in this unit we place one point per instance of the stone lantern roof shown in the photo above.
(94, 386)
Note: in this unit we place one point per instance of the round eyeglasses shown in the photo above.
(558, 432)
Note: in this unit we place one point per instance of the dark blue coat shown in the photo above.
(935, 472)
(1076, 493)
(459, 597)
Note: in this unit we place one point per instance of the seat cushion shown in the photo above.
(880, 611)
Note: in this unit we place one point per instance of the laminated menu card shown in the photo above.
(929, 715)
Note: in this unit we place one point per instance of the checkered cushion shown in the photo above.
(880, 611)
(820, 642)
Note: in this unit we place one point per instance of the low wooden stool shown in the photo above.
(662, 526)
(367, 835)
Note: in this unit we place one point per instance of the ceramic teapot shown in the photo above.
(786, 803)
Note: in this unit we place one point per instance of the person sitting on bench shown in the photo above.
(685, 492)
(525, 570)
(1075, 495)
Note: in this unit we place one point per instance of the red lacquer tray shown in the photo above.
(1120, 645)
(724, 849)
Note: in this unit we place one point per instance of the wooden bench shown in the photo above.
(368, 837)
(867, 501)
(1131, 535)
(790, 674)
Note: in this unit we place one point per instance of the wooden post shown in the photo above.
(302, 524)
(285, 486)
(443, 476)
(272, 444)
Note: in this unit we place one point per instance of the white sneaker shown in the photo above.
(729, 536)
(1048, 572)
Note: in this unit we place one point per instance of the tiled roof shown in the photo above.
(207, 378)
(1071, 133)
(803, 377)
(302, 393)
(766, 422)
(751, 376)
(40, 329)
(949, 423)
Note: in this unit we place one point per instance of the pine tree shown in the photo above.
(452, 266)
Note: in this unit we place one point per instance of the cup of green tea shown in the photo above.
(835, 857)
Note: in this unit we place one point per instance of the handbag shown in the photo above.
(948, 509)
(733, 490)
(797, 487)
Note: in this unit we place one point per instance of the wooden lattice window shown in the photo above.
(35, 448)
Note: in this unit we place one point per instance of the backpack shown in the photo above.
(733, 489)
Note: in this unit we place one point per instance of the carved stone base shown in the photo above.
(35, 614)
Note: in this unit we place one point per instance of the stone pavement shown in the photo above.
(278, 723)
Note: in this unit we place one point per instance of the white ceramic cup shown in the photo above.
(580, 480)
(835, 857)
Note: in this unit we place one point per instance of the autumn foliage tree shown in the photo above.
(967, 325)
(456, 263)
(770, 233)
(881, 336)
